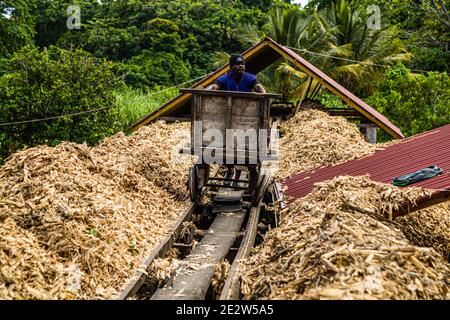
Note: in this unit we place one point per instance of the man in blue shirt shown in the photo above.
(237, 79)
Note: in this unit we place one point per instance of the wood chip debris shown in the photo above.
(337, 243)
(219, 278)
(76, 222)
(429, 227)
(158, 274)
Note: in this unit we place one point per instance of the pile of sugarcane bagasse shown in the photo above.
(74, 213)
(339, 242)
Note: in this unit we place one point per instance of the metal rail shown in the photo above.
(231, 288)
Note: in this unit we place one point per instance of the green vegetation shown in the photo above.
(333, 35)
(16, 26)
(41, 85)
(127, 51)
(415, 103)
(337, 30)
(134, 104)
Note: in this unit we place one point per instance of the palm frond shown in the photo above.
(355, 70)
(344, 50)
(248, 34)
(220, 58)
(399, 57)
(288, 70)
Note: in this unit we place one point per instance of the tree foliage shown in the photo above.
(336, 39)
(361, 49)
(414, 102)
(424, 26)
(120, 30)
(16, 25)
(152, 70)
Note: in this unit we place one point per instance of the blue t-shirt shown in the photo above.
(228, 82)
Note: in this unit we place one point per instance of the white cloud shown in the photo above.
(302, 2)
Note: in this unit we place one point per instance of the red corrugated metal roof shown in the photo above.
(409, 155)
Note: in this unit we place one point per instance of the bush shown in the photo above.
(330, 100)
(435, 59)
(414, 102)
(47, 84)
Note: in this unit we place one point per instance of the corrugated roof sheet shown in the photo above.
(406, 156)
(260, 56)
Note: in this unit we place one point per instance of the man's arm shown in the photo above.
(259, 88)
(214, 86)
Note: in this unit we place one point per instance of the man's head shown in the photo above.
(237, 64)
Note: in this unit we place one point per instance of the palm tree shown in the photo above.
(290, 27)
(359, 50)
(336, 39)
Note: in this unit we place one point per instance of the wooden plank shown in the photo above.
(232, 284)
(343, 113)
(238, 156)
(422, 203)
(192, 280)
(175, 119)
(226, 196)
(239, 94)
(160, 251)
(194, 118)
(262, 186)
(246, 107)
(227, 207)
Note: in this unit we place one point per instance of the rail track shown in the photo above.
(232, 227)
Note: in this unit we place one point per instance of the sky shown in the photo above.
(7, 12)
(302, 2)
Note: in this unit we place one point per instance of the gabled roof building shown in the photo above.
(260, 56)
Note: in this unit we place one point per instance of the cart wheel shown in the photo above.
(202, 175)
(193, 184)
